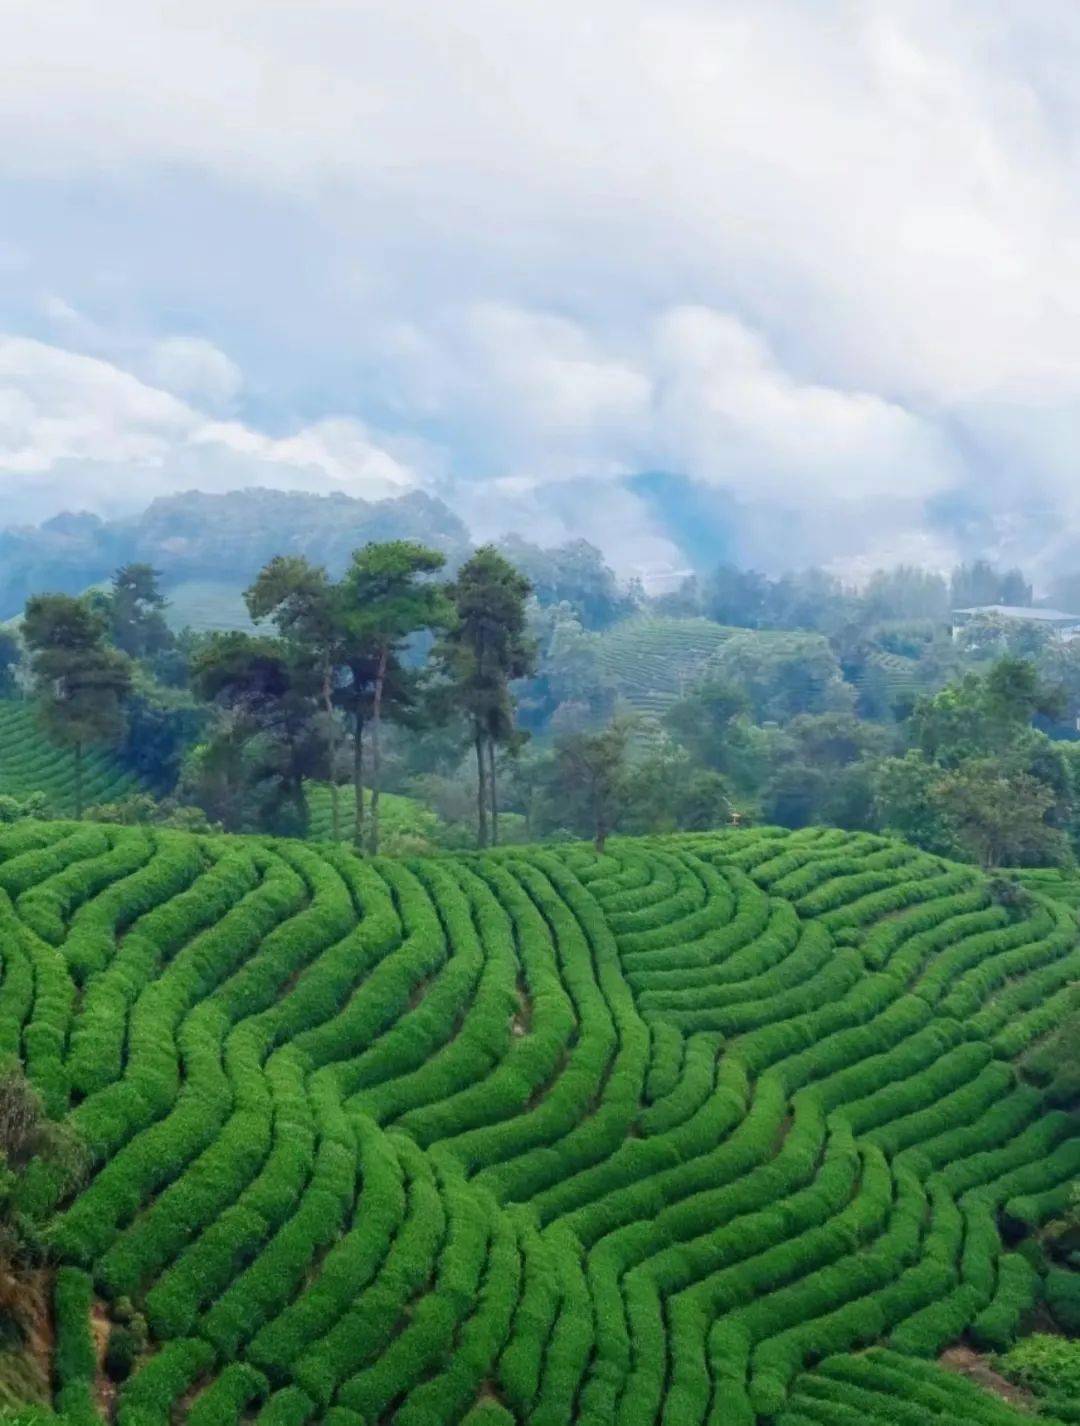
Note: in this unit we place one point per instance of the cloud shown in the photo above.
(78, 432)
(821, 257)
(544, 403)
(730, 413)
(194, 368)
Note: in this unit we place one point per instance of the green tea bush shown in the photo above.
(678, 1133)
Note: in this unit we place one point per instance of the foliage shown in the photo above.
(526, 1134)
(11, 657)
(590, 770)
(134, 609)
(998, 816)
(1049, 1366)
(574, 575)
(161, 725)
(80, 684)
(14, 809)
(261, 753)
(980, 583)
(141, 810)
(784, 675)
(29, 1142)
(484, 650)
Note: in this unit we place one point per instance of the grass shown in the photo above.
(708, 1129)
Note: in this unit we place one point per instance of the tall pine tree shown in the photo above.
(484, 650)
(81, 684)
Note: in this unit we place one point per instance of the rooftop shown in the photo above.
(1022, 611)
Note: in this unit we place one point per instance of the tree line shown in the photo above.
(387, 642)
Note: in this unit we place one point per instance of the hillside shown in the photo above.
(652, 661)
(207, 606)
(30, 763)
(215, 540)
(668, 1135)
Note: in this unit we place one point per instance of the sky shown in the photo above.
(795, 281)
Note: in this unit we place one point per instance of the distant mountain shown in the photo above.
(221, 538)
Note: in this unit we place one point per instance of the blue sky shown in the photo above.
(816, 262)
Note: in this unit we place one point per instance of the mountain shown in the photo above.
(196, 537)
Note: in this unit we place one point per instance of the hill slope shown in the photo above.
(214, 540)
(666, 1135)
(653, 661)
(30, 763)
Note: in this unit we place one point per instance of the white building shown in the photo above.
(1066, 626)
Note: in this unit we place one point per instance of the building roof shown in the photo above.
(1021, 611)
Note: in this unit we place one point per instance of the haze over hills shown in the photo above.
(197, 536)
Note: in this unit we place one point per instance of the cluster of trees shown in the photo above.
(815, 599)
(968, 773)
(256, 716)
(488, 700)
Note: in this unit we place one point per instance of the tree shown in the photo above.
(795, 795)
(135, 608)
(834, 740)
(906, 592)
(705, 719)
(980, 583)
(484, 650)
(307, 608)
(161, 725)
(998, 815)
(666, 791)
(10, 658)
(271, 696)
(981, 714)
(81, 685)
(386, 599)
(29, 1140)
(736, 596)
(590, 772)
(907, 805)
(574, 573)
(784, 674)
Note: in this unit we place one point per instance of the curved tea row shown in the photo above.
(669, 1135)
(30, 763)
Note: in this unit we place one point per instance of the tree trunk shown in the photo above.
(493, 793)
(376, 746)
(79, 780)
(331, 754)
(358, 779)
(481, 793)
(300, 802)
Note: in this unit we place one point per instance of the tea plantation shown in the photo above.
(30, 763)
(721, 1129)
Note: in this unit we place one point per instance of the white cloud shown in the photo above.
(79, 432)
(195, 368)
(729, 413)
(822, 256)
(697, 392)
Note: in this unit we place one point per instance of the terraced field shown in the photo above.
(396, 814)
(715, 1129)
(30, 763)
(654, 661)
